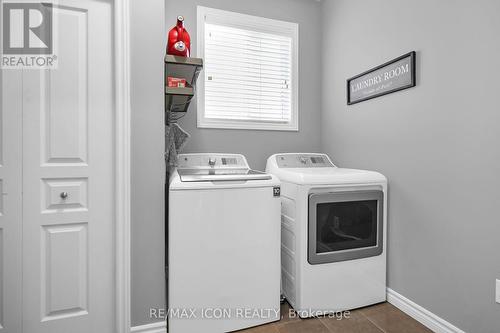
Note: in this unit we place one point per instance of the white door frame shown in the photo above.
(122, 163)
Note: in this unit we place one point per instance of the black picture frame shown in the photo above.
(411, 55)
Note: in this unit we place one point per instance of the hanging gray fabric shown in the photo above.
(175, 140)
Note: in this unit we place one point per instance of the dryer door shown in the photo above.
(345, 226)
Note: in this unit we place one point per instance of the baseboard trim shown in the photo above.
(159, 327)
(424, 316)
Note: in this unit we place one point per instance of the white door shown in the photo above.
(10, 201)
(68, 181)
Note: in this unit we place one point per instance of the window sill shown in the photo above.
(244, 125)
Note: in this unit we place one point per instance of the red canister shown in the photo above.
(179, 42)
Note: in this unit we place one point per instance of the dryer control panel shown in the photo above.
(303, 161)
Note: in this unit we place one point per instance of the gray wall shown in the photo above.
(148, 168)
(438, 143)
(258, 145)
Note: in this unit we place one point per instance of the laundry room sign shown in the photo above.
(394, 75)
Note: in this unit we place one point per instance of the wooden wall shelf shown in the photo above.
(178, 99)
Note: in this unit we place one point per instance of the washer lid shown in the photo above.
(209, 175)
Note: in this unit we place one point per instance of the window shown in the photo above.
(250, 78)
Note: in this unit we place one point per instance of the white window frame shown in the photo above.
(243, 21)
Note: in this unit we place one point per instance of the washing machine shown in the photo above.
(223, 245)
(333, 234)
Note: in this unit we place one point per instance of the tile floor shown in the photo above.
(380, 318)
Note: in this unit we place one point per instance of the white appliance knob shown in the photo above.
(211, 161)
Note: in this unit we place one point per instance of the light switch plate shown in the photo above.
(497, 298)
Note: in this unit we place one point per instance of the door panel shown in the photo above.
(1, 197)
(64, 271)
(68, 156)
(1, 274)
(65, 91)
(76, 195)
(1, 278)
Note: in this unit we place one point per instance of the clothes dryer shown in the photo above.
(333, 234)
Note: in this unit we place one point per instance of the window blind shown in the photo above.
(248, 75)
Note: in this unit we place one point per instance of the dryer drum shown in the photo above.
(348, 225)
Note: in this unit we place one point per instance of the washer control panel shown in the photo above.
(303, 161)
(217, 161)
